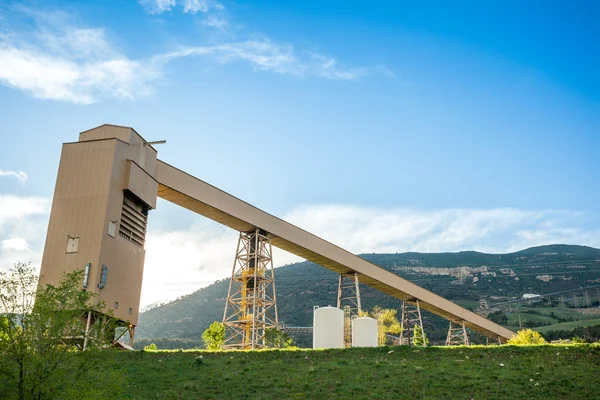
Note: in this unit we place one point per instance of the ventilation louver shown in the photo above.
(134, 218)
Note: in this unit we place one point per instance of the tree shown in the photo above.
(214, 336)
(527, 336)
(419, 337)
(278, 339)
(39, 331)
(498, 317)
(387, 322)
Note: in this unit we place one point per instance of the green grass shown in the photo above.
(566, 326)
(561, 312)
(528, 372)
(513, 319)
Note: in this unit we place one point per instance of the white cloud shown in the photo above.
(189, 6)
(16, 244)
(19, 175)
(265, 55)
(366, 230)
(219, 23)
(23, 225)
(57, 60)
(157, 6)
(193, 6)
(179, 262)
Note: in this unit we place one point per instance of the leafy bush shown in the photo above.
(214, 336)
(527, 336)
(419, 337)
(278, 339)
(151, 347)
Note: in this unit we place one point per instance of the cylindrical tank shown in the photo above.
(328, 328)
(364, 332)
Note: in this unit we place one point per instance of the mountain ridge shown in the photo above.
(302, 285)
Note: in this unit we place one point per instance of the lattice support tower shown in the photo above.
(251, 305)
(349, 293)
(347, 326)
(562, 302)
(411, 317)
(586, 299)
(457, 334)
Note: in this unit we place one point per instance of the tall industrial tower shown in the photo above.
(251, 305)
(104, 191)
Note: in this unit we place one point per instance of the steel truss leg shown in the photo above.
(411, 318)
(349, 298)
(251, 305)
(457, 334)
(349, 293)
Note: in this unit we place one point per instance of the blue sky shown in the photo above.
(383, 126)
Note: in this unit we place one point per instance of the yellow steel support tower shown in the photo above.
(251, 305)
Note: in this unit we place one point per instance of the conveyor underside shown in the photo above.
(189, 192)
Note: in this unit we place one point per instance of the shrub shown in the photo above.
(214, 336)
(151, 347)
(527, 336)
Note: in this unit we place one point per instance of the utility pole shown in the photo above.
(561, 301)
(575, 300)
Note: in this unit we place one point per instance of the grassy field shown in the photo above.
(564, 326)
(494, 372)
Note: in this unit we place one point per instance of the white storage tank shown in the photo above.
(364, 332)
(328, 328)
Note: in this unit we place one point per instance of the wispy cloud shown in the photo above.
(265, 55)
(366, 230)
(20, 175)
(23, 224)
(204, 253)
(188, 6)
(56, 59)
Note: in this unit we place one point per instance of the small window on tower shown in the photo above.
(116, 305)
(86, 275)
(112, 227)
(72, 244)
(103, 274)
(130, 311)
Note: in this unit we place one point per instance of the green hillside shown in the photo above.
(463, 277)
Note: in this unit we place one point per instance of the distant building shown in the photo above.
(530, 296)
